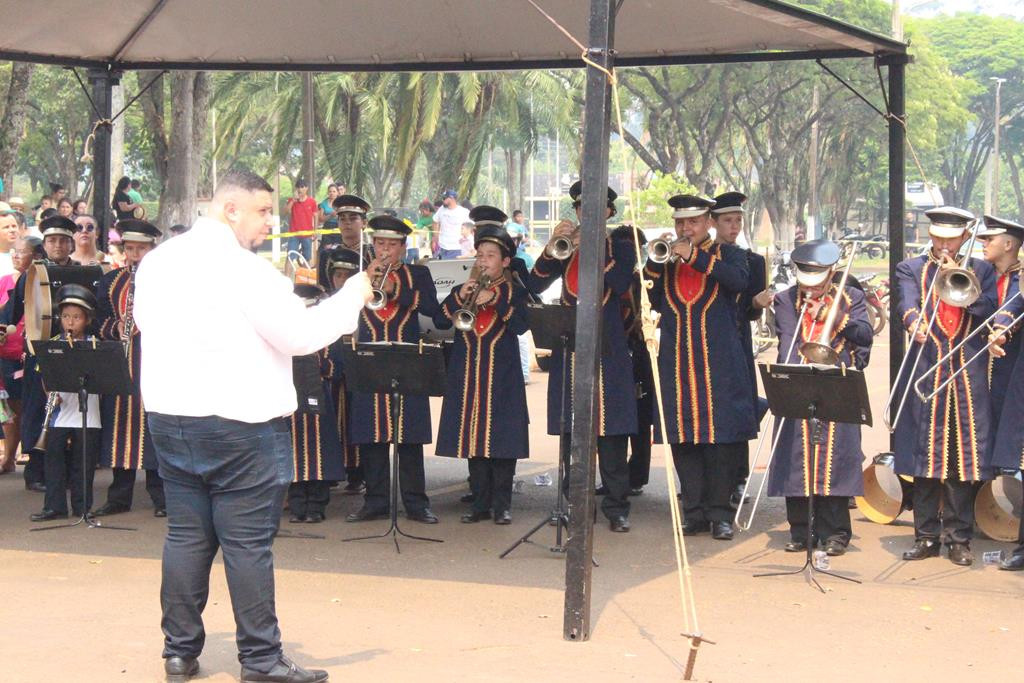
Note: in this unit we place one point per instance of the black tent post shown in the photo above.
(897, 201)
(583, 452)
(102, 81)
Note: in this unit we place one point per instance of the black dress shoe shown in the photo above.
(352, 488)
(424, 516)
(922, 549)
(636, 491)
(475, 516)
(960, 554)
(835, 548)
(795, 547)
(619, 525)
(721, 531)
(692, 527)
(601, 490)
(159, 512)
(315, 517)
(364, 514)
(504, 517)
(297, 519)
(285, 671)
(47, 516)
(35, 487)
(1013, 563)
(180, 669)
(468, 498)
(110, 509)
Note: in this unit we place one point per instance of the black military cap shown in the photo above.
(309, 293)
(729, 202)
(134, 230)
(483, 214)
(77, 295)
(344, 259)
(496, 234)
(576, 190)
(690, 205)
(948, 221)
(57, 225)
(814, 261)
(350, 203)
(389, 227)
(999, 226)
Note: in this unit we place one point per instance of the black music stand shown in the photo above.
(86, 367)
(816, 393)
(553, 327)
(399, 369)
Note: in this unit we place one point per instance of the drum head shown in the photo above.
(882, 501)
(44, 279)
(997, 508)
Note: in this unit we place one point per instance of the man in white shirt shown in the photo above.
(448, 222)
(217, 394)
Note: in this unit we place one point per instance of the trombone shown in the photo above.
(465, 317)
(960, 288)
(821, 351)
(985, 325)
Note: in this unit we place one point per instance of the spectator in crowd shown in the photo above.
(466, 248)
(79, 207)
(447, 231)
(86, 232)
(57, 193)
(302, 211)
(9, 234)
(17, 203)
(115, 254)
(419, 242)
(65, 207)
(520, 234)
(45, 204)
(327, 206)
(122, 204)
(134, 191)
(26, 250)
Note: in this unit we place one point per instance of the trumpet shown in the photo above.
(378, 297)
(821, 351)
(661, 250)
(52, 401)
(465, 317)
(562, 247)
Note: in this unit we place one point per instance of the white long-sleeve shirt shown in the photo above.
(221, 325)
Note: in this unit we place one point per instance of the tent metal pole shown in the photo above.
(897, 194)
(583, 450)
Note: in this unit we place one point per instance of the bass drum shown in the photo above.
(44, 279)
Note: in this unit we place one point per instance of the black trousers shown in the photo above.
(122, 488)
(308, 497)
(490, 480)
(640, 457)
(33, 410)
(831, 518)
(64, 469)
(706, 479)
(354, 475)
(411, 477)
(955, 523)
(614, 472)
(1019, 550)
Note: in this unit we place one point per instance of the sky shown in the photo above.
(929, 8)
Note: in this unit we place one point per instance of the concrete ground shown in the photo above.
(82, 604)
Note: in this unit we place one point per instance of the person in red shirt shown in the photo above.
(303, 210)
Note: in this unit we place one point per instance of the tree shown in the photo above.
(12, 122)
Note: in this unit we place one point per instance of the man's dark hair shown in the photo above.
(301, 182)
(517, 212)
(136, 184)
(243, 180)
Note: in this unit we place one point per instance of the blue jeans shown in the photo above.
(449, 253)
(303, 245)
(225, 483)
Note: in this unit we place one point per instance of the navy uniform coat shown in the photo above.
(801, 468)
(922, 433)
(747, 313)
(484, 411)
(705, 381)
(616, 396)
(342, 399)
(398, 321)
(316, 447)
(1001, 369)
(1008, 388)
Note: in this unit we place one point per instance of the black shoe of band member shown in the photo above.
(502, 518)
(298, 519)
(692, 527)
(159, 512)
(960, 554)
(47, 516)
(1013, 563)
(835, 548)
(180, 669)
(468, 498)
(285, 671)
(795, 547)
(601, 490)
(923, 548)
(636, 491)
(35, 487)
(619, 525)
(476, 516)
(352, 488)
(721, 531)
(315, 517)
(110, 509)
(424, 516)
(365, 515)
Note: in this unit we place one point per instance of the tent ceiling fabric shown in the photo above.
(408, 34)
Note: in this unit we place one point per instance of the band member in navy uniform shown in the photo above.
(316, 446)
(727, 216)
(127, 446)
(350, 211)
(830, 471)
(342, 264)
(410, 292)
(484, 416)
(616, 403)
(945, 443)
(58, 241)
(705, 385)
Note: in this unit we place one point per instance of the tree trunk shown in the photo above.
(178, 200)
(12, 126)
(524, 176)
(117, 135)
(153, 117)
(1011, 164)
(200, 120)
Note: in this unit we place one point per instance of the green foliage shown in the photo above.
(652, 209)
